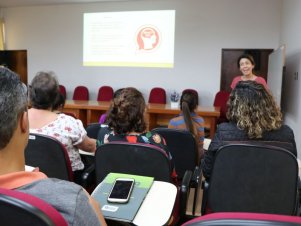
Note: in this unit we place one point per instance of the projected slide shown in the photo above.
(129, 39)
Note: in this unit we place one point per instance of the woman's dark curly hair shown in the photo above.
(127, 112)
(44, 91)
(253, 109)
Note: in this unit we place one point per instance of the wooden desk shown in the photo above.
(156, 114)
(87, 111)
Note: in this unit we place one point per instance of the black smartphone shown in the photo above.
(121, 190)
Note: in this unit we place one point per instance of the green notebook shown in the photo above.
(122, 211)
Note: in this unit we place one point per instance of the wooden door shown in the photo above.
(15, 60)
(229, 68)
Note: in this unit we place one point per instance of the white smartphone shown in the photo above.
(121, 190)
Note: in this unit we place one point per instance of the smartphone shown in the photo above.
(121, 190)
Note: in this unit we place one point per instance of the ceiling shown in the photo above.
(14, 3)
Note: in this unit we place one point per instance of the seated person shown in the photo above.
(71, 200)
(102, 118)
(44, 94)
(189, 120)
(126, 122)
(253, 116)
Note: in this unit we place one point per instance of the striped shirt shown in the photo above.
(179, 123)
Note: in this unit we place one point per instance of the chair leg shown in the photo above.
(205, 186)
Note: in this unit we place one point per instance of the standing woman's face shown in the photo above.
(246, 66)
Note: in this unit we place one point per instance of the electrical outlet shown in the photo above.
(296, 75)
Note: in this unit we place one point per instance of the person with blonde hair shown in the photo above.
(253, 116)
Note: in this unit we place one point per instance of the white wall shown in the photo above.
(291, 36)
(53, 37)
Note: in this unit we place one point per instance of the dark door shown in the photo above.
(15, 60)
(229, 68)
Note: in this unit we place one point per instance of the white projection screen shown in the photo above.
(129, 39)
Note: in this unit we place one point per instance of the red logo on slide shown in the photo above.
(148, 38)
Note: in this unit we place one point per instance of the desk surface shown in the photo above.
(90, 104)
(167, 109)
(156, 114)
(157, 207)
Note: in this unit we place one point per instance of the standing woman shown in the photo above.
(189, 120)
(246, 64)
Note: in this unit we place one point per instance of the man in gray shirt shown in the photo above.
(71, 200)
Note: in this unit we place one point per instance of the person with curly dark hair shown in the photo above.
(253, 116)
(126, 122)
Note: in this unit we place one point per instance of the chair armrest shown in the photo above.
(205, 186)
(184, 193)
(88, 177)
(196, 176)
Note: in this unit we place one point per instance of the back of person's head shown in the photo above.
(59, 102)
(117, 93)
(245, 56)
(188, 103)
(253, 109)
(189, 100)
(44, 90)
(127, 112)
(13, 102)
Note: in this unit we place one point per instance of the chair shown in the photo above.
(105, 93)
(129, 158)
(63, 91)
(193, 91)
(183, 149)
(220, 100)
(252, 178)
(243, 219)
(157, 96)
(49, 155)
(138, 159)
(93, 129)
(81, 93)
(20, 209)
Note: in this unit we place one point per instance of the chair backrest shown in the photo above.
(93, 129)
(157, 96)
(243, 219)
(81, 93)
(220, 100)
(105, 93)
(49, 155)
(18, 208)
(132, 158)
(253, 178)
(63, 91)
(193, 91)
(182, 147)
